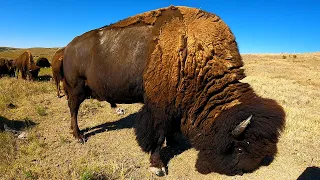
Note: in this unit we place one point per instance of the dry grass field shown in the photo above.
(50, 152)
(36, 52)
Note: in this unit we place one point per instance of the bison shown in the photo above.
(6, 67)
(43, 62)
(57, 71)
(184, 65)
(26, 65)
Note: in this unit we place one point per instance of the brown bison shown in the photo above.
(6, 67)
(184, 65)
(43, 62)
(57, 71)
(26, 65)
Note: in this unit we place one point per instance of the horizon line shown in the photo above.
(239, 51)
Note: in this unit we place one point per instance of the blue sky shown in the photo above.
(260, 26)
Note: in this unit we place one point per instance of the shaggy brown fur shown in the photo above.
(184, 64)
(43, 62)
(57, 70)
(6, 67)
(26, 65)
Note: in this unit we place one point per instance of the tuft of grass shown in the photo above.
(41, 111)
(29, 175)
(87, 175)
(64, 140)
(294, 56)
(95, 173)
(284, 57)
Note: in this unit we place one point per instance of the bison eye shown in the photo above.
(239, 150)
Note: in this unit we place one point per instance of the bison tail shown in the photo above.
(66, 86)
(61, 74)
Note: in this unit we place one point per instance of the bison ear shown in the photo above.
(241, 127)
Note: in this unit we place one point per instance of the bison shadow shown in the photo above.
(124, 123)
(181, 143)
(44, 78)
(311, 173)
(17, 125)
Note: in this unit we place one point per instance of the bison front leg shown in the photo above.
(17, 72)
(150, 135)
(23, 74)
(29, 75)
(156, 164)
(76, 97)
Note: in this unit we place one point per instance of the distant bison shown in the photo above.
(26, 65)
(184, 65)
(43, 62)
(6, 67)
(57, 71)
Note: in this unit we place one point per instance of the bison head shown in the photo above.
(11, 68)
(241, 138)
(34, 70)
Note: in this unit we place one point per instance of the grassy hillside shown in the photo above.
(12, 53)
(50, 152)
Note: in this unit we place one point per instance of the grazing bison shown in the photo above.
(184, 65)
(43, 62)
(57, 71)
(26, 65)
(6, 67)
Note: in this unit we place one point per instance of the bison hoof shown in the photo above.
(82, 140)
(119, 111)
(158, 171)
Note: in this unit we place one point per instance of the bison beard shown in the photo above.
(184, 64)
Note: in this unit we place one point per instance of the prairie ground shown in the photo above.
(50, 152)
(13, 53)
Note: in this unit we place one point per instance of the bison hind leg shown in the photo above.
(57, 83)
(76, 95)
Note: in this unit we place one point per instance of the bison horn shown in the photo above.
(241, 127)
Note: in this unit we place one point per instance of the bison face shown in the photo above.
(238, 142)
(237, 157)
(34, 70)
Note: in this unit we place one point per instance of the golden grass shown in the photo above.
(36, 52)
(50, 151)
